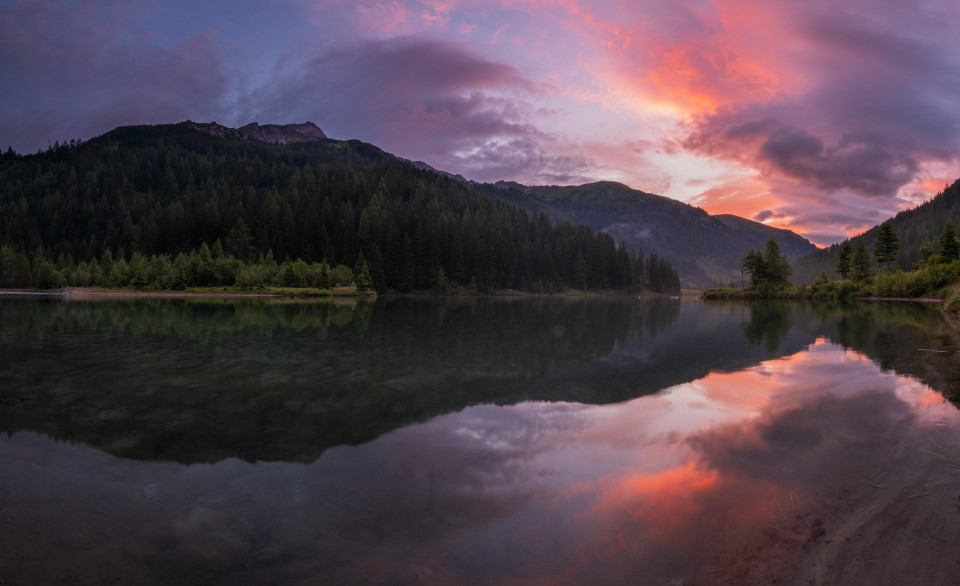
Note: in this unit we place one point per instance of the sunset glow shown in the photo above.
(809, 116)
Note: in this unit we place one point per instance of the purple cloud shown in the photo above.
(765, 215)
(426, 99)
(80, 70)
(871, 164)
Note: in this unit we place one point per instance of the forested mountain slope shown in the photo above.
(161, 191)
(705, 249)
(913, 227)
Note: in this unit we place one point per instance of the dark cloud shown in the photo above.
(765, 215)
(789, 144)
(79, 72)
(424, 99)
(867, 163)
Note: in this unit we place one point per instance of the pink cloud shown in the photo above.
(854, 103)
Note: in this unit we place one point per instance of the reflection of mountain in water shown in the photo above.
(201, 381)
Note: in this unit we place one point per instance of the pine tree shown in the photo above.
(181, 273)
(948, 243)
(106, 265)
(753, 266)
(94, 276)
(323, 276)
(217, 250)
(887, 244)
(362, 278)
(407, 270)
(138, 271)
(860, 264)
(845, 260)
(457, 263)
(771, 266)
(926, 253)
(442, 286)
(822, 281)
(777, 267)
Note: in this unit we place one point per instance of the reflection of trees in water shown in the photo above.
(513, 329)
(203, 320)
(909, 338)
(768, 325)
(200, 380)
(204, 380)
(883, 330)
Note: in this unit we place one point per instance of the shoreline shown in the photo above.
(88, 293)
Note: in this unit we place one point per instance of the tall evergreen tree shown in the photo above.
(362, 278)
(240, 241)
(754, 267)
(860, 263)
(770, 267)
(886, 247)
(845, 260)
(777, 268)
(407, 271)
(948, 243)
(926, 253)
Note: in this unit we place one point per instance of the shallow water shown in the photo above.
(480, 441)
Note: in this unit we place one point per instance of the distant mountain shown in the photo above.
(913, 227)
(704, 249)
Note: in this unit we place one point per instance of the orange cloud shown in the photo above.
(741, 196)
(690, 60)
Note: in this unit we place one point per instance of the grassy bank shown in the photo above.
(933, 282)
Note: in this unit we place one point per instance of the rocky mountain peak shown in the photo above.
(272, 133)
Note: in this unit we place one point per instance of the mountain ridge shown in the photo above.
(269, 133)
(173, 205)
(705, 249)
(922, 223)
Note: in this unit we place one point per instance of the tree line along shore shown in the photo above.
(935, 277)
(165, 207)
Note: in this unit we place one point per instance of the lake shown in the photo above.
(477, 441)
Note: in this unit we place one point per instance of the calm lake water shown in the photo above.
(479, 441)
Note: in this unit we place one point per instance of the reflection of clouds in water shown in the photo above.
(827, 440)
(644, 488)
(522, 427)
(638, 492)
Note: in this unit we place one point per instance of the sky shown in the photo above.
(823, 117)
